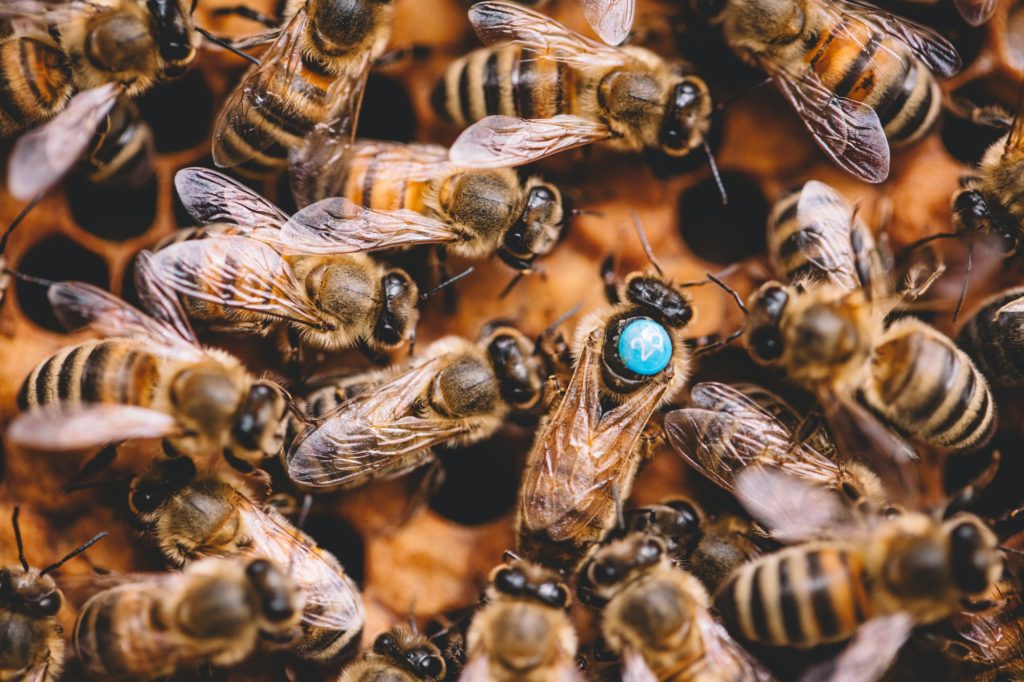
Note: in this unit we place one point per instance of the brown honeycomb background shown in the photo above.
(440, 559)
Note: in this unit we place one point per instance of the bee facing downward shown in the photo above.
(398, 655)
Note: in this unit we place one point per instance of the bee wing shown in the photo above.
(635, 668)
(317, 165)
(413, 162)
(45, 13)
(160, 301)
(212, 197)
(934, 50)
(849, 132)
(579, 455)
(243, 112)
(44, 155)
(77, 304)
(66, 427)
(501, 22)
(502, 141)
(332, 599)
(976, 12)
(869, 654)
(370, 431)
(612, 20)
(793, 509)
(724, 655)
(824, 239)
(477, 668)
(238, 272)
(339, 225)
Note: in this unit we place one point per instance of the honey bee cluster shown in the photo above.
(549, 341)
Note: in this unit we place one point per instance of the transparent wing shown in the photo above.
(45, 13)
(370, 432)
(824, 238)
(159, 301)
(504, 22)
(238, 272)
(477, 668)
(724, 655)
(243, 113)
(42, 156)
(580, 455)
(792, 508)
(934, 50)
(412, 162)
(849, 132)
(212, 197)
(976, 12)
(869, 654)
(635, 668)
(69, 427)
(332, 599)
(339, 225)
(502, 141)
(317, 165)
(77, 305)
(612, 20)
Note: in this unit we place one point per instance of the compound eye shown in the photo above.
(969, 562)
(552, 594)
(48, 604)
(686, 516)
(645, 348)
(603, 573)
(145, 500)
(510, 581)
(385, 644)
(766, 343)
(431, 666)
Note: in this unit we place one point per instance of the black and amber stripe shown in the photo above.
(506, 80)
(372, 183)
(110, 635)
(996, 343)
(122, 152)
(112, 371)
(854, 60)
(926, 386)
(801, 596)
(35, 83)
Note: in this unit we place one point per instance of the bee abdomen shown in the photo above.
(35, 83)
(995, 343)
(325, 645)
(928, 387)
(122, 153)
(367, 184)
(109, 632)
(802, 596)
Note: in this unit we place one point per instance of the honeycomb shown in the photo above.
(440, 558)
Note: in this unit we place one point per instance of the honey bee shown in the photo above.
(215, 612)
(657, 617)
(459, 392)
(991, 336)
(394, 195)
(31, 640)
(193, 515)
(399, 655)
(630, 358)
(152, 380)
(860, 78)
(874, 578)
(73, 67)
(990, 635)
(249, 280)
(726, 430)
(545, 89)
(304, 95)
(522, 633)
(611, 20)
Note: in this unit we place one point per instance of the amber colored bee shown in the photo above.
(522, 633)
(542, 89)
(860, 78)
(74, 66)
(992, 337)
(31, 640)
(151, 380)
(874, 577)
(193, 515)
(989, 639)
(657, 616)
(304, 95)
(630, 358)
(398, 655)
(215, 612)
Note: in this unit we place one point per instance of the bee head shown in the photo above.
(687, 117)
(260, 424)
(165, 478)
(399, 314)
(175, 35)
(677, 522)
(515, 365)
(28, 592)
(412, 652)
(763, 334)
(122, 41)
(974, 560)
(338, 26)
(523, 580)
(276, 596)
(618, 562)
(538, 227)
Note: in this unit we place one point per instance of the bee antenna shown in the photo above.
(192, 10)
(966, 282)
(509, 555)
(447, 283)
(587, 211)
(715, 173)
(17, 539)
(84, 485)
(1011, 550)
(41, 281)
(73, 553)
(914, 246)
(561, 319)
(226, 45)
(516, 279)
(729, 290)
(18, 218)
(644, 243)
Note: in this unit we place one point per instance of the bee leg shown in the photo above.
(450, 298)
(610, 279)
(246, 13)
(969, 493)
(97, 463)
(414, 52)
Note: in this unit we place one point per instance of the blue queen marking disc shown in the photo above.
(645, 347)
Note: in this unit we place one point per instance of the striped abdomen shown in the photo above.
(35, 83)
(111, 371)
(926, 386)
(801, 596)
(996, 344)
(117, 636)
(505, 80)
(368, 184)
(122, 151)
(856, 61)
